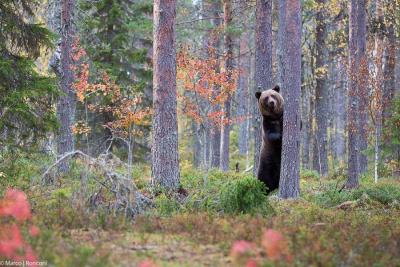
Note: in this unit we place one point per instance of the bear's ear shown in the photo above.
(276, 88)
(258, 95)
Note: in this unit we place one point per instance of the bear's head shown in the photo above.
(270, 102)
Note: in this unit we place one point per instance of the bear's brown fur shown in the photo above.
(271, 105)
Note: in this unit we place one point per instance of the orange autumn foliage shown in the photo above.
(126, 110)
(198, 78)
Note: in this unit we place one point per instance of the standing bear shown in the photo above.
(270, 103)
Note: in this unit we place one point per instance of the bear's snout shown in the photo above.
(270, 104)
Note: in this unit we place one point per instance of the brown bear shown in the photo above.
(270, 103)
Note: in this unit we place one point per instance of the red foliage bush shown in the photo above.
(15, 211)
(248, 254)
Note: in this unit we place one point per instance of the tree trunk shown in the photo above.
(66, 102)
(243, 93)
(165, 168)
(197, 145)
(290, 28)
(305, 109)
(228, 44)
(263, 67)
(390, 61)
(352, 127)
(340, 109)
(321, 94)
(378, 84)
(362, 85)
(215, 132)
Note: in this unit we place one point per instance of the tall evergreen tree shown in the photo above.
(66, 102)
(117, 36)
(25, 114)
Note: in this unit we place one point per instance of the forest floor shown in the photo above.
(325, 227)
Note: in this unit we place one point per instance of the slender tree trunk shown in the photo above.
(197, 145)
(340, 109)
(215, 132)
(207, 148)
(291, 27)
(243, 93)
(66, 102)
(352, 127)
(54, 24)
(321, 94)
(263, 67)
(362, 85)
(378, 84)
(390, 61)
(165, 168)
(305, 107)
(228, 44)
(389, 72)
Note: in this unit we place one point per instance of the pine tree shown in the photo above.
(24, 113)
(165, 168)
(290, 42)
(263, 67)
(117, 37)
(228, 44)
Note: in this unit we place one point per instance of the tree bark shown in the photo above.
(215, 132)
(390, 60)
(305, 109)
(228, 44)
(290, 28)
(165, 168)
(362, 85)
(243, 93)
(378, 86)
(352, 127)
(321, 92)
(340, 109)
(263, 67)
(66, 103)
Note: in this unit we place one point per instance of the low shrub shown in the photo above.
(309, 174)
(246, 195)
(384, 193)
